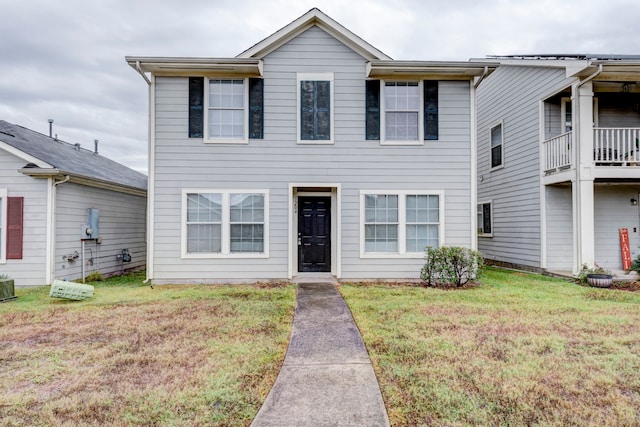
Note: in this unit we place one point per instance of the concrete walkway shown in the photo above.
(327, 378)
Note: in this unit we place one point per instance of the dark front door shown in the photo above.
(314, 234)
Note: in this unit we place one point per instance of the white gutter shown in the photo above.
(51, 221)
(482, 77)
(151, 180)
(592, 76)
(144, 76)
(474, 164)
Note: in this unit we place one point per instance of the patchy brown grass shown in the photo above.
(519, 350)
(172, 355)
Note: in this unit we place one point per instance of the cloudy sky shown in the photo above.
(64, 59)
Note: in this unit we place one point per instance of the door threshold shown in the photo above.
(314, 278)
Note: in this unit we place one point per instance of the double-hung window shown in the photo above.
(226, 104)
(225, 223)
(497, 146)
(401, 223)
(402, 111)
(485, 220)
(315, 108)
(226, 110)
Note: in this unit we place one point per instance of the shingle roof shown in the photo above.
(70, 158)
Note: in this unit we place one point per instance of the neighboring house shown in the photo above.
(50, 193)
(312, 151)
(558, 156)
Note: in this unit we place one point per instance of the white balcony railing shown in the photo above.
(611, 147)
(616, 146)
(557, 152)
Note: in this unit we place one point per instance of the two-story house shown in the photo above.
(558, 160)
(312, 151)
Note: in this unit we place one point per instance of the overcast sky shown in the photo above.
(64, 59)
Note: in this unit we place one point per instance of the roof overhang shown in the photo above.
(206, 67)
(429, 69)
(54, 173)
(612, 70)
(22, 155)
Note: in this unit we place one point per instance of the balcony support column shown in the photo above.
(582, 185)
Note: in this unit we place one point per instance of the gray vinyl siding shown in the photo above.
(511, 96)
(277, 161)
(613, 210)
(122, 225)
(616, 111)
(30, 270)
(559, 228)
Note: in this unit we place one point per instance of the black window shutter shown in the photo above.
(372, 100)
(430, 109)
(196, 113)
(15, 214)
(256, 108)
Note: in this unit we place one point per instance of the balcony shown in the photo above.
(618, 147)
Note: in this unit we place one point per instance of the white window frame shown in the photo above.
(226, 224)
(383, 115)
(300, 77)
(3, 225)
(481, 233)
(402, 222)
(501, 165)
(208, 138)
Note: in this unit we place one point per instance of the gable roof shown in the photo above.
(47, 156)
(315, 17)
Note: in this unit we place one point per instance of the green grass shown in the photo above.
(520, 349)
(136, 355)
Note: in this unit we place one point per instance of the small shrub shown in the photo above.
(94, 277)
(450, 265)
(4, 276)
(582, 276)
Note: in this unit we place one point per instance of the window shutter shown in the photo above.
(430, 109)
(372, 109)
(256, 108)
(196, 113)
(14, 227)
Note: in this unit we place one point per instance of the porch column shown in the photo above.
(583, 184)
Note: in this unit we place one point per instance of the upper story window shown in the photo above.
(405, 113)
(315, 101)
(402, 111)
(497, 146)
(227, 109)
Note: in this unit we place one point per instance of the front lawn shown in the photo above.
(520, 349)
(136, 355)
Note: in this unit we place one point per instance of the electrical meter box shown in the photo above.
(90, 230)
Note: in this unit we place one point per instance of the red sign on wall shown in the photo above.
(625, 249)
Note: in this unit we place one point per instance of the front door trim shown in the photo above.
(315, 189)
